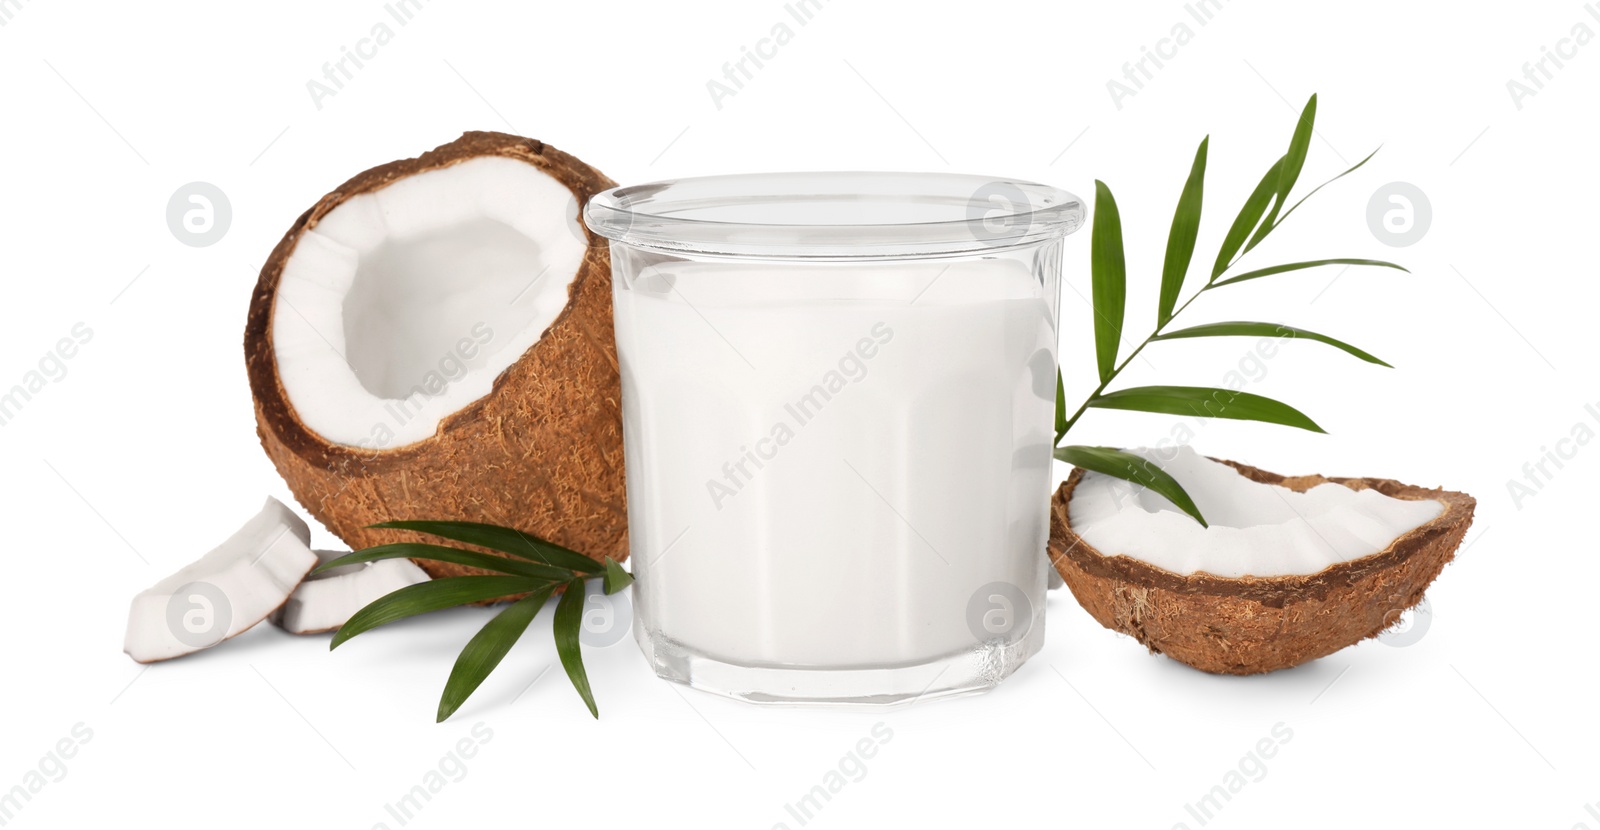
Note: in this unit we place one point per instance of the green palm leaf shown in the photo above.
(1109, 276)
(487, 648)
(1247, 220)
(1293, 161)
(1181, 238)
(503, 539)
(1296, 205)
(1204, 402)
(1298, 266)
(568, 627)
(616, 578)
(1061, 408)
(439, 553)
(434, 595)
(1130, 467)
(1243, 329)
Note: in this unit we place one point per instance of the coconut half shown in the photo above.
(327, 600)
(238, 584)
(1289, 570)
(433, 340)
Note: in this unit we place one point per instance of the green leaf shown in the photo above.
(1130, 467)
(1297, 266)
(1061, 408)
(616, 578)
(439, 553)
(1293, 162)
(1181, 238)
(432, 596)
(1242, 329)
(1247, 220)
(1109, 275)
(503, 539)
(1299, 147)
(568, 625)
(1204, 402)
(487, 648)
(1353, 168)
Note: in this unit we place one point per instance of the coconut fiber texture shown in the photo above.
(541, 452)
(1251, 625)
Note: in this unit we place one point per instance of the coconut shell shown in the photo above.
(541, 452)
(1252, 624)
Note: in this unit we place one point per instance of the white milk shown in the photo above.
(824, 482)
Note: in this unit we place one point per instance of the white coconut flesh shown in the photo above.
(225, 592)
(402, 305)
(327, 600)
(1255, 529)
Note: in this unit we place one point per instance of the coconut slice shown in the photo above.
(1290, 569)
(433, 340)
(327, 600)
(226, 592)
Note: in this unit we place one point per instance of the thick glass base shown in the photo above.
(964, 672)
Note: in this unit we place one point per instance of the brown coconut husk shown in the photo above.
(541, 452)
(1252, 624)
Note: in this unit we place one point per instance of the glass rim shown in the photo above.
(834, 215)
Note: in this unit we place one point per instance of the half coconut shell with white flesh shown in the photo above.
(238, 584)
(1290, 569)
(433, 340)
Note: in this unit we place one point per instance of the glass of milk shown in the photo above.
(838, 393)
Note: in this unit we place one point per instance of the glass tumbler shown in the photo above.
(838, 396)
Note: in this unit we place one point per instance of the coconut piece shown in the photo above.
(1255, 529)
(1216, 598)
(327, 600)
(226, 592)
(433, 340)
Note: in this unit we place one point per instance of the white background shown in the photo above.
(144, 455)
